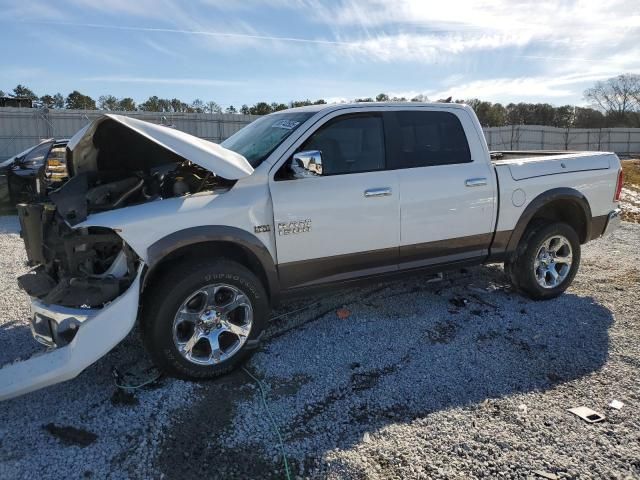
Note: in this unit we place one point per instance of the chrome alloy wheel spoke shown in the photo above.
(552, 263)
(212, 324)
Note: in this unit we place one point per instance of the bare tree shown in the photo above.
(619, 94)
(213, 107)
(107, 102)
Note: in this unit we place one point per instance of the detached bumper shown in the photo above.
(92, 333)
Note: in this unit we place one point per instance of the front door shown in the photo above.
(336, 211)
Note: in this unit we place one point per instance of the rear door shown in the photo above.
(341, 219)
(447, 188)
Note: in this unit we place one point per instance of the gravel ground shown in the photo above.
(460, 378)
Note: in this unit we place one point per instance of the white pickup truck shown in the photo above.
(197, 240)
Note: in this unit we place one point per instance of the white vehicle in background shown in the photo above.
(197, 241)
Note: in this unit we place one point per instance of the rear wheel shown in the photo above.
(202, 319)
(546, 260)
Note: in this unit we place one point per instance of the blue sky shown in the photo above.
(236, 52)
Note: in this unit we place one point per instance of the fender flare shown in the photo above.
(159, 250)
(539, 202)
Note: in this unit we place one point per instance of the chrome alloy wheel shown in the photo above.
(212, 324)
(553, 261)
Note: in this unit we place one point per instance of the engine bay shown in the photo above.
(112, 164)
(80, 268)
(88, 267)
(93, 192)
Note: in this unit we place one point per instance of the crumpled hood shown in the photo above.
(211, 156)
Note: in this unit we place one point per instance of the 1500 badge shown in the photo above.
(299, 226)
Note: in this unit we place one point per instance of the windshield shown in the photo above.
(261, 137)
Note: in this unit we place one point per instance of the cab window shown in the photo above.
(349, 144)
(427, 138)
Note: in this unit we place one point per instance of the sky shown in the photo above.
(245, 51)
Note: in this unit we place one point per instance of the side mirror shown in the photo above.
(307, 164)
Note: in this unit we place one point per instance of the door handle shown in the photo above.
(475, 182)
(377, 192)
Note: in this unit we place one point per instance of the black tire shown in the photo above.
(166, 296)
(521, 270)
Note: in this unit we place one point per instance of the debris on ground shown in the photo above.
(547, 475)
(343, 313)
(136, 377)
(616, 404)
(438, 277)
(458, 302)
(588, 415)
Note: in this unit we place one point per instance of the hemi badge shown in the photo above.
(262, 228)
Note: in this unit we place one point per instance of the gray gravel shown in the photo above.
(456, 379)
(128, 436)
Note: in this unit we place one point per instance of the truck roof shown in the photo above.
(338, 106)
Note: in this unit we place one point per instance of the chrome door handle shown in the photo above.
(377, 192)
(475, 182)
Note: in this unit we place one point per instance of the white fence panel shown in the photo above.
(624, 141)
(20, 128)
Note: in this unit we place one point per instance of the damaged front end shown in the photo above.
(84, 289)
(82, 268)
(85, 281)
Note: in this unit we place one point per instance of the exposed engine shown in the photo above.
(88, 267)
(94, 192)
(113, 163)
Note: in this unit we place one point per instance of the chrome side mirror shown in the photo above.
(307, 164)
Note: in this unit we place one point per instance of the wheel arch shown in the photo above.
(219, 240)
(558, 204)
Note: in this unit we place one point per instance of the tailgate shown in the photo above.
(553, 165)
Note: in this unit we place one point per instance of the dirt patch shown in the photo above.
(630, 199)
(443, 332)
(195, 446)
(71, 435)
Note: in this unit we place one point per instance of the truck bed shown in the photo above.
(530, 164)
(523, 176)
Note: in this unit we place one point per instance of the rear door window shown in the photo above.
(423, 139)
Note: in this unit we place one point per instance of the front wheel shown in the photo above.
(546, 260)
(203, 318)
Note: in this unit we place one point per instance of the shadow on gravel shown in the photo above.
(17, 342)
(408, 348)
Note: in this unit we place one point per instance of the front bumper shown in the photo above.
(56, 326)
(82, 336)
(613, 221)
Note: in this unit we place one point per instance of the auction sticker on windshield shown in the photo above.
(286, 124)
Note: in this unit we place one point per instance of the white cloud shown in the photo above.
(427, 48)
(160, 48)
(519, 88)
(429, 32)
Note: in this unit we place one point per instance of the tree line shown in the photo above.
(615, 103)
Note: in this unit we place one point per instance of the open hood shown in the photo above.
(108, 130)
